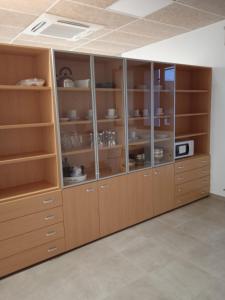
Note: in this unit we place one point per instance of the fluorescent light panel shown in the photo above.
(138, 8)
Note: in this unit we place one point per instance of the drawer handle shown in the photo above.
(50, 217)
(203, 192)
(156, 173)
(180, 167)
(146, 175)
(104, 186)
(180, 178)
(47, 201)
(204, 161)
(90, 190)
(50, 233)
(52, 249)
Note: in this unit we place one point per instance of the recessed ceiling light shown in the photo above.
(138, 8)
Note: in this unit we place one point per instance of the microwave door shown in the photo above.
(182, 150)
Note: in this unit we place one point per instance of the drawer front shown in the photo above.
(29, 223)
(191, 175)
(192, 163)
(27, 258)
(190, 186)
(29, 205)
(30, 240)
(192, 196)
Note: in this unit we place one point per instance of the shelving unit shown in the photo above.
(28, 156)
(193, 94)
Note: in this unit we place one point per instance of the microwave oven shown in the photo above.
(184, 149)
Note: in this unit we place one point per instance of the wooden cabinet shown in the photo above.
(192, 179)
(163, 189)
(113, 204)
(140, 200)
(81, 215)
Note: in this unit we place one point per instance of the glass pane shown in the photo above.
(139, 114)
(110, 115)
(76, 117)
(164, 79)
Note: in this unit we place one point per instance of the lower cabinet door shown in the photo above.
(81, 215)
(113, 204)
(140, 196)
(163, 189)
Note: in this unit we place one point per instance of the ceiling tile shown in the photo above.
(84, 13)
(153, 29)
(9, 32)
(49, 40)
(97, 3)
(95, 51)
(15, 19)
(127, 38)
(183, 16)
(27, 6)
(108, 47)
(99, 33)
(39, 44)
(212, 6)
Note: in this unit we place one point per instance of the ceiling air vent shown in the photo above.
(58, 27)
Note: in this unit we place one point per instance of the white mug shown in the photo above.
(90, 114)
(111, 112)
(137, 112)
(145, 112)
(133, 134)
(72, 114)
(160, 111)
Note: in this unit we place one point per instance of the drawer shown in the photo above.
(29, 223)
(192, 196)
(191, 175)
(29, 240)
(192, 163)
(190, 186)
(27, 258)
(29, 205)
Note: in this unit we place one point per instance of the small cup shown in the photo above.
(160, 111)
(133, 135)
(90, 114)
(145, 112)
(72, 114)
(137, 112)
(111, 112)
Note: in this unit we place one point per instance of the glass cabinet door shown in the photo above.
(75, 117)
(110, 115)
(139, 114)
(164, 95)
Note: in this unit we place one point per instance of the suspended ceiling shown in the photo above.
(121, 32)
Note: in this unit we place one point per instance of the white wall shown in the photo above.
(200, 47)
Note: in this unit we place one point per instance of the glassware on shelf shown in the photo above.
(71, 141)
(107, 138)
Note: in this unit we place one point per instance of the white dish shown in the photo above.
(31, 82)
(111, 117)
(75, 178)
(84, 83)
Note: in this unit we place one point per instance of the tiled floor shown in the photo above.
(180, 255)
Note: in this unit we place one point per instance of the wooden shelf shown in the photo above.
(12, 159)
(162, 117)
(163, 91)
(24, 88)
(88, 150)
(32, 125)
(109, 120)
(191, 91)
(64, 89)
(139, 90)
(22, 190)
(191, 115)
(163, 140)
(78, 122)
(138, 118)
(183, 136)
(108, 90)
(139, 143)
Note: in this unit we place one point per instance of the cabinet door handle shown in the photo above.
(204, 161)
(180, 167)
(90, 190)
(104, 186)
(203, 192)
(50, 217)
(47, 201)
(156, 173)
(52, 249)
(146, 175)
(50, 233)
